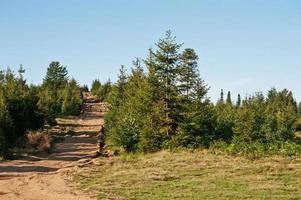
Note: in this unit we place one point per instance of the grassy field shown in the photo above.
(192, 175)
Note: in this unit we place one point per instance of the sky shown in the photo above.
(243, 46)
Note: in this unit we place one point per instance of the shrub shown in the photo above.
(39, 140)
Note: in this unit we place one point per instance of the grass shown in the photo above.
(192, 175)
(67, 121)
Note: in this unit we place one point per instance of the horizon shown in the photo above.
(244, 47)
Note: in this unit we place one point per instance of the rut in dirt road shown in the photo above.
(43, 176)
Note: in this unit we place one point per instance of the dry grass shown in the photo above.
(39, 140)
(193, 175)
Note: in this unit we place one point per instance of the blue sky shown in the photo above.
(243, 46)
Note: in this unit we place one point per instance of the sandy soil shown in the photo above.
(45, 176)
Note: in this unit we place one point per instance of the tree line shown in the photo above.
(25, 107)
(166, 106)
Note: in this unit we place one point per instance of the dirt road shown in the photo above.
(44, 177)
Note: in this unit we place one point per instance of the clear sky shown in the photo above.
(244, 46)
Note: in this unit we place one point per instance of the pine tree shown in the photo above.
(188, 73)
(229, 100)
(56, 76)
(53, 84)
(221, 96)
(96, 87)
(21, 72)
(238, 103)
(193, 107)
(71, 98)
(154, 127)
(121, 84)
(165, 61)
(5, 126)
(125, 119)
(105, 91)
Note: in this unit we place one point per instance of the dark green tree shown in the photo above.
(229, 100)
(56, 77)
(121, 84)
(53, 84)
(221, 96)
(165, 60)
(188, 73)
(96, 87)
(71, 98)
(238, 103)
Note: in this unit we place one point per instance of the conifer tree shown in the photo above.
(165, 61)
(56, 77)
(221, 96)
(5, 126)
(238, 103)
(71, 98)
(121, 84)
(229, 100)
(54, 83)
(188, 73)
(154, 127)
(96, 87)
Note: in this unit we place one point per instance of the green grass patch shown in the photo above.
(193, 175)
(68, 121)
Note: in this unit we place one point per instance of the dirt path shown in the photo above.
(44, 177)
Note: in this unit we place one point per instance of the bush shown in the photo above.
(290, 149)
(39, 140)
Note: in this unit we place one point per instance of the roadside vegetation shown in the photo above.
(162, 103)
(27, 108)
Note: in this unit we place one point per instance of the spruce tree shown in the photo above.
(96, 87)
(154, 128)
(5, 126)
(221, 96)
(53, 84)
(71, 98)
(229, 100)
(121, 84)
(238, 103)
(165, 62)
(188, 73)
(56, 76)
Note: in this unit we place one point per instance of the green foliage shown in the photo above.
(56, 76)
(124, 121)
(229, 100)
(58, 94)
(167, 107)
(96, 86)
(159, 108)
(26, 107)
(224, 121)
(238, 102)
(53, 85)
(72, 98)
(5, 125)
(101, 90)
(18, 109)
